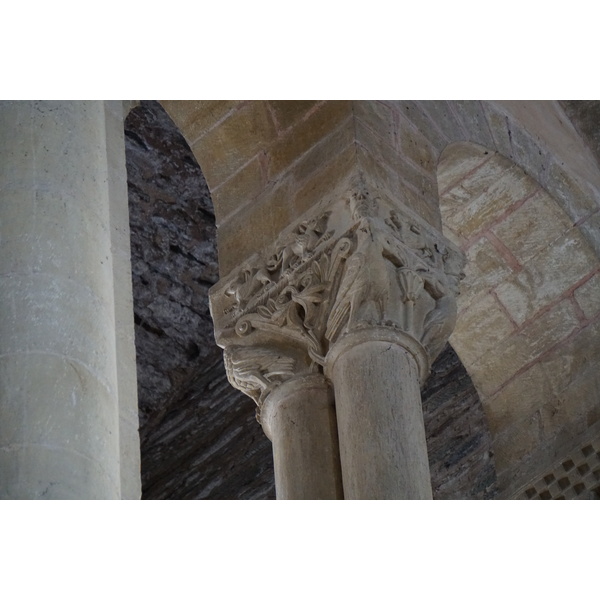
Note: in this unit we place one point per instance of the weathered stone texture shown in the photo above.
(588, 296)
(529, 229)
(200, 438)
(305, 134)
(552, 272)
(194, 118)
(585, 115)
(173, 255)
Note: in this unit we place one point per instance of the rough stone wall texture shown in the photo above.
(190, 417)
(199, 435)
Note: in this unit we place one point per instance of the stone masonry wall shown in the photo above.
(200, 438)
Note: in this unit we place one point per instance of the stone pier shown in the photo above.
(361, 295)
(64, 286)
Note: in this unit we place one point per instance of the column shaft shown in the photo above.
(59, 425)
(383, 450)
(299, 418)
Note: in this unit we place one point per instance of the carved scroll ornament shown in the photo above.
(360, 264)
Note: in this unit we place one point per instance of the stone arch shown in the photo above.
(529, 315)
(265, 163)
(195, 431)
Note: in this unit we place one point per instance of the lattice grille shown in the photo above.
(576, 478)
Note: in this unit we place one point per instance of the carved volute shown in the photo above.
(359, 263)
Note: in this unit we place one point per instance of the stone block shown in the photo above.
(520, 400)
(241, 188)
(321, 184)
(254, 227)
(590, 229)
(480, 328)
(377, 117)
(574, 196)
(305, 134)
(482, 209)
(588, 296)
(532, 227)
(500, 125)
(129, 442)
(531, 155)
(225, 149)
(289, 112)
(423, 183)
(457, 161)
(547, 275)
(379, 175)
(484, 270)
(324, 152)
(414, 113)
(196, 117)
(514, 445)
(413, 145)
(386, 179)
(440, 112)
(575, 409)
(382, 151)
(425, 206)
(518, 350)
(16, 212)
(577, 358)
(17, 160)
(455, 200)
(384, 154)
(56, 225)
(471, 114)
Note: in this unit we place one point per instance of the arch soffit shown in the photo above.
(529, 314)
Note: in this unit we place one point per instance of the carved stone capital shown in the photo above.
(358, 263)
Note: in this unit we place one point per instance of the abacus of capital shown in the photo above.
(332, 331)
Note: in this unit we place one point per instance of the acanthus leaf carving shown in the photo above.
(368, 266)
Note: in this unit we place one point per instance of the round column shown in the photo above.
(376, 375)
(299, 418)
(59, 427)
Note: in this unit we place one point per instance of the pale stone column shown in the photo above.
(391, 314)
(299, 419)
(296, 410)
(383, 450)
(59, 382)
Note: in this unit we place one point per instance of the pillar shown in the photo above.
(383, 450)
(59, 382)
(299, 419)
(362, 293)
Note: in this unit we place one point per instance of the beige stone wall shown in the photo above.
(528, 313)
(265, 163)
